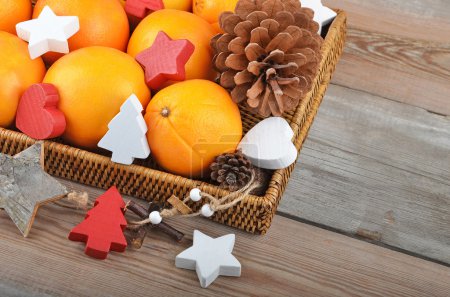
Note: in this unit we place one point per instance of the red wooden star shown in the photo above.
(165, 60)
(141, 8)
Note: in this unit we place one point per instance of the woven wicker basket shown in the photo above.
(254, 214)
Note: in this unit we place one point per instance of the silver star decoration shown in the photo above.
(25, 186)
(210, 257)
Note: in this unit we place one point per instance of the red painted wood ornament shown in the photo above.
(141, 8)
(37, 114)
(165, 60)
(102, 230)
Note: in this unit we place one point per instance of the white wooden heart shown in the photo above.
(269, 144)
(322, 14)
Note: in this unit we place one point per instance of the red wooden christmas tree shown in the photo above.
(102, 229)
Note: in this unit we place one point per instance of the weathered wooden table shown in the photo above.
(376, 167)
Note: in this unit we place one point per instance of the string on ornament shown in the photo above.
(153, 216)
(81, 201)
(214, 204)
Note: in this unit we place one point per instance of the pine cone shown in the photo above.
(269, 55)
(231, 171)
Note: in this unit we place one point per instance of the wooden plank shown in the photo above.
(398, 50)
(409, 71)
(420, 20)
(294, 259)
(376, 168)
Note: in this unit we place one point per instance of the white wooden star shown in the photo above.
(210, 257)
(48, 33)
(322, 14)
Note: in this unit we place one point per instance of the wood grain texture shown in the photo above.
(379, 169)
(294, 259)
(399, 50)
(25, 186)
(419, 19)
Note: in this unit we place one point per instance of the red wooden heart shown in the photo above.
(37, 113)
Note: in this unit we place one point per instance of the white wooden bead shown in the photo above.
(195, 195)
(207, 211)
(155, 217)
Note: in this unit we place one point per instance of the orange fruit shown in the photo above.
(216, 27)
(102, 22)
(93, 83)
(17, 73)
(185, 5)
(190, 123)
(13, 12)
(210, 10)
(178, 25)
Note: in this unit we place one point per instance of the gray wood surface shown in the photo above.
(399, 50)
(379, 169)
(293, 259)
(372, 167)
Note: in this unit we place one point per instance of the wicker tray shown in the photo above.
(254, 214)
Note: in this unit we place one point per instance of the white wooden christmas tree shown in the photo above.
(126, 137)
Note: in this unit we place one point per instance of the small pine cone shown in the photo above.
(269, 54)
(231, 171)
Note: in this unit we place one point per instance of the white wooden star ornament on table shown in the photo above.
(322, 14)
(48, 33)
(210, 257)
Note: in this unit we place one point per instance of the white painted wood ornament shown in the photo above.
(210, 257)
(269, 144)
(322, 14)
(48, 33)
(126, 136)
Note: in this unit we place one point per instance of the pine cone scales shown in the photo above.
(269, 54)
(231, 171)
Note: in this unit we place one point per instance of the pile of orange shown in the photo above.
(102, 22)
(13, 12)
(93, 83)
(189, 122)
(17, 73)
